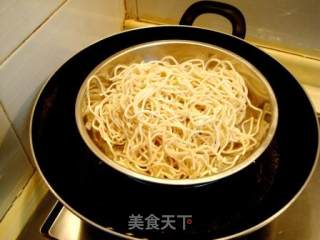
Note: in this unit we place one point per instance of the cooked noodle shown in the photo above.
(173, 120)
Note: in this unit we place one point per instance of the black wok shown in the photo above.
(238, 205)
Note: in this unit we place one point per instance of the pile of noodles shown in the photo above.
(173, 120)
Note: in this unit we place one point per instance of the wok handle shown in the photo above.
(230, 12)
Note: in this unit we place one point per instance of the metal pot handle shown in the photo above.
(230, 12)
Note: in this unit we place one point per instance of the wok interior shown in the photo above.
(259, 92)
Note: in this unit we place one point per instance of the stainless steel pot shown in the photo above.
(258, 88)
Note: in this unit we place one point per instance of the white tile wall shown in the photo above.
(19, 18)
(291, 24)
(15, 168)
(75, 25)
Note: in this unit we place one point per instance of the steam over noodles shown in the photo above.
(173, 120)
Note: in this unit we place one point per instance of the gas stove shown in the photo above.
(52, 220)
